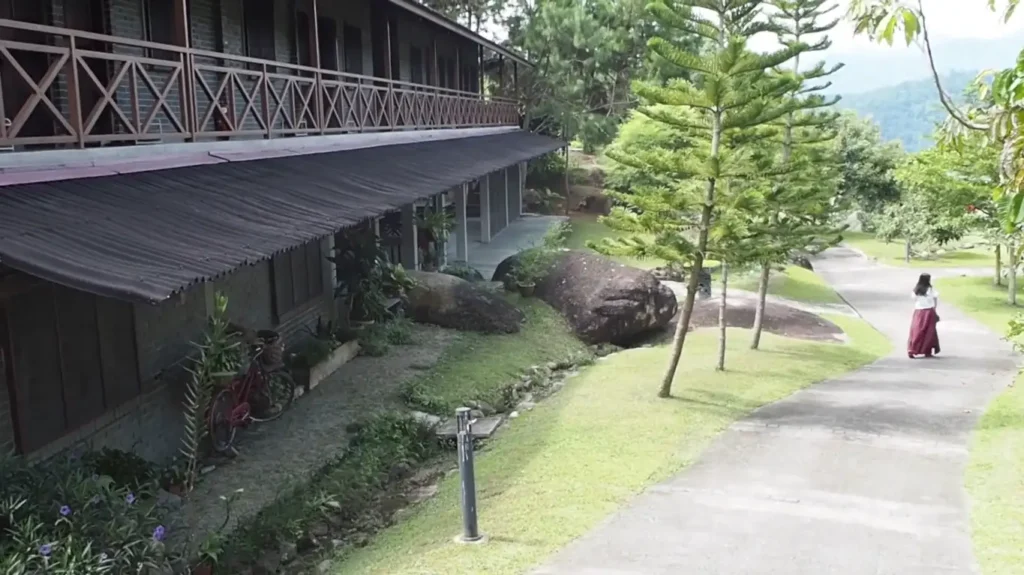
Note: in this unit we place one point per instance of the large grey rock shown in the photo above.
(603, 301)
(452, 302)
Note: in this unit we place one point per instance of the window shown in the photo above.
(328, 32)
(258, 29)
(158, 26)
(72, 359)
(302, 39)
(415, 65)
(353, 48)
(297, 277)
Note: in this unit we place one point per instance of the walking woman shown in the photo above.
(924, 337)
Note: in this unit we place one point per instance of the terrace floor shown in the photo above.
(525, 232)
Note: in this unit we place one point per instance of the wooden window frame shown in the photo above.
(285, 298)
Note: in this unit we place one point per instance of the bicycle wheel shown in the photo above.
(222, 431)
(280, 389)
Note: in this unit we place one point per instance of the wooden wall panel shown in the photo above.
(117, 351)
(37, 384)
(81, 371)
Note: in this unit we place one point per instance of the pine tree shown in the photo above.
(730, 94)
(797, 209)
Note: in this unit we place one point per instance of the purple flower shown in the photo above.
(45, 550)
(65, 510)
(159, 533)
(129, 499)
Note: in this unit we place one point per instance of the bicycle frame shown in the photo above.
(241, 388)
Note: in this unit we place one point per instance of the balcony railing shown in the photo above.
(66, 88)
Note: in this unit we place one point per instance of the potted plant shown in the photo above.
(532, 266)
(439, 223)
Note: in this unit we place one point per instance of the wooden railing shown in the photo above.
(67, 88)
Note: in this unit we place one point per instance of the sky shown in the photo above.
(947, 20)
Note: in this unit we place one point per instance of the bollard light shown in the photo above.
(470, 529)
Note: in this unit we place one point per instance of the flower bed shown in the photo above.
(65, 517)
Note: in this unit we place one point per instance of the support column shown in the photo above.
(485, 209)
(461, 229)
(507, 173)
(442, 245)
(410, 239)
(521, 188)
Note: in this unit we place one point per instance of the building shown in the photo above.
(156, 152)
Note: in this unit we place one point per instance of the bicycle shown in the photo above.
(261, 393)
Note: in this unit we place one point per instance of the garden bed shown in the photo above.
(307, 378)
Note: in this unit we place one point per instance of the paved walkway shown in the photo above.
(520, 234)
(860, 475)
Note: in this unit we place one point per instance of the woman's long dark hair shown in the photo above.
(924, 283)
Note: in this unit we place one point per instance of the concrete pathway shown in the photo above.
(861, 475)
(520, 234)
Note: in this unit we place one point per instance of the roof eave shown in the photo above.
(444, 22)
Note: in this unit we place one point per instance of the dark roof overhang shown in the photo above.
(148, 235)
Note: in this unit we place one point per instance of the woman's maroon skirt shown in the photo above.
(924, 337)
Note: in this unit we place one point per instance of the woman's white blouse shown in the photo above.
(926, 301)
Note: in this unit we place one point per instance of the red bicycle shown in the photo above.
(261, 393)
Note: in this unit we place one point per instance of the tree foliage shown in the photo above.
(586, 54)
(697, 201)
(868, 165)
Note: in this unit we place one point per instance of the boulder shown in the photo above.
(452, 302)
(801, 259)
(603, 301)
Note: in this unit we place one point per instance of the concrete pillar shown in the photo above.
(485, 209)
(461, 228)
(410, 239)
(521, 189)
(505, 198)
(442, 245)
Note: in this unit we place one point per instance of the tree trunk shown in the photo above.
(762, 296)
(698, 264)
(722, 309)
(998, 280)
(1011, 290)
(906, 254)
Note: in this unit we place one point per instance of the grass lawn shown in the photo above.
(478, 366)
(995, 482)
(560, 469)
(980, 299)
(796, 283)
(586, 228)
(995, 474)
(893, 253)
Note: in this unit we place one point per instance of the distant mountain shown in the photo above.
(908, 112)
(873, 69)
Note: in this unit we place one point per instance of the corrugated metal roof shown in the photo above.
(148, 235)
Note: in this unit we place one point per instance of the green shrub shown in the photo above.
(461, 270)
(399, 331)
(342, 491)
(62, 517)
(312, 351)
(373, 340)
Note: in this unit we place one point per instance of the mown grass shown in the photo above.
(995, 474)
(795, 283)
(977, 297)
(558, 470)
(586, 228)
(893, 253)
(480, 367)
(995, 482)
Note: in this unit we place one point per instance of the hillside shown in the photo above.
(907, 112)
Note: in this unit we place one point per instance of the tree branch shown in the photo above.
(947, 102)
